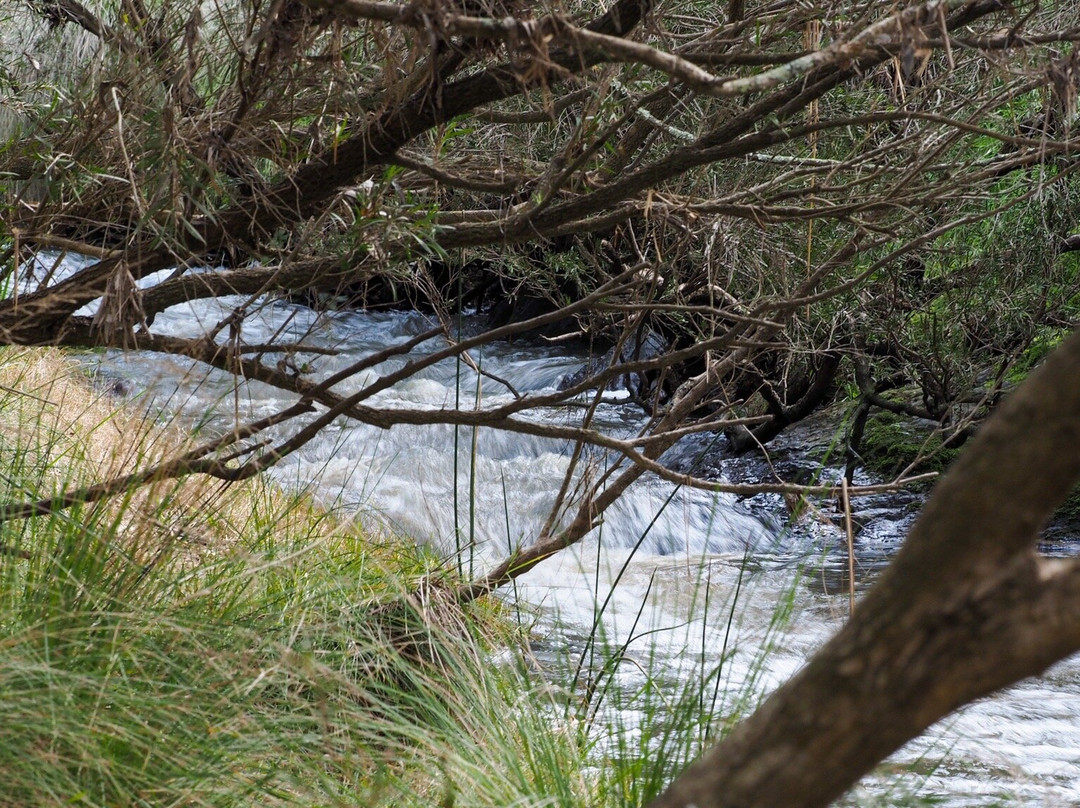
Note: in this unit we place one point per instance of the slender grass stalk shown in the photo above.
(457, 406)
(618, 577)
(593, 698)
(473, 452)
(849, 534)
(510, 548)
(724, 648)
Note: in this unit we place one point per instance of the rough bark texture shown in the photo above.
(967, 607)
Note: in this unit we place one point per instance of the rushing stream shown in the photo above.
(677, 590)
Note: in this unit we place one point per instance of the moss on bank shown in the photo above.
(892, 443)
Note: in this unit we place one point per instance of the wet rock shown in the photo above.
(646, 345)
(810, 452)
(112, 384)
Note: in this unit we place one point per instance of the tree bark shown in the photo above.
(966, 607)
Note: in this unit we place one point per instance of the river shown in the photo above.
(702, 579)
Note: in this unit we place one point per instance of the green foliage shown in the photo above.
(1070, 509)
(891, 443)
(271, 674)
(306, 664)
(1044, 341)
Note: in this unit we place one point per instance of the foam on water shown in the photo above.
(1021, 745)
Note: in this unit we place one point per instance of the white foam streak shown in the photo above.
(1025, 742)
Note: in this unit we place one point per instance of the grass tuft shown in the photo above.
(193, 644)
(188, 644)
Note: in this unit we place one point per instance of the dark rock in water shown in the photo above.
(120, 388)
(112, 384)
(810, 452)
(522, 307)
(1061, 537)
(642, 346)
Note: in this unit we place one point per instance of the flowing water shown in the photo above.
(699, 576)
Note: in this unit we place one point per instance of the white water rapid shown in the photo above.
(683, 594)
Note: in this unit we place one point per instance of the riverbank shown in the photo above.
(253, 665)
(189, 643)
(193, 644)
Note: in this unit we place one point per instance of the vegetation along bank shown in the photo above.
(745, 211)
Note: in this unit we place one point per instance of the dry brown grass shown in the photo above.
(79, 435)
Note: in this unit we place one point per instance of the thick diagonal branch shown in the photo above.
(966, 607)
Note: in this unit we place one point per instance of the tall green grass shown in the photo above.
(162, 650)
(186, 644)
